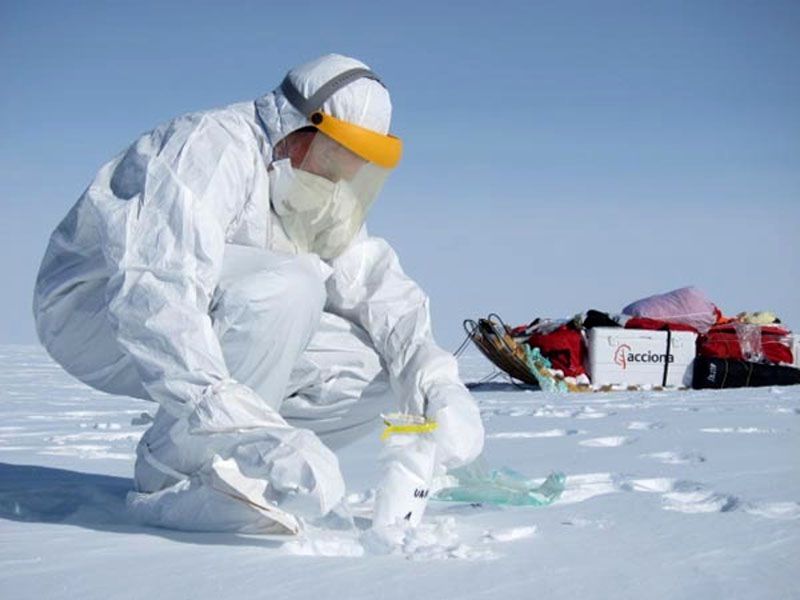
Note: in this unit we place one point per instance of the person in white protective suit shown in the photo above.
(220, 267)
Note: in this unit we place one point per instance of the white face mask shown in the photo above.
(318, 215)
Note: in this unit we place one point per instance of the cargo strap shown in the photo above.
(666, 359)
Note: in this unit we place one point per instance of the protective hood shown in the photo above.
(364, 102)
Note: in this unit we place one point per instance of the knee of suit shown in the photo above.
(292, 291)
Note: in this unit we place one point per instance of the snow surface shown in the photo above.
(669, 495)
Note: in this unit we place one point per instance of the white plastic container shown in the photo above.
(407, 463)
(639, 357)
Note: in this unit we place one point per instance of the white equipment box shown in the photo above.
(796, 350)
(640, 357)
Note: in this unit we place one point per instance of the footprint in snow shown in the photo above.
(786, 410)
(645, 425)
(519, 412)
(580, 522)
(585, 412)
(691, 497)
(580, 487)
(613, 441)
(655, 485)
(683, 496)
(550, 433)
(106, 426)
(489, 412)
(552, 412)
(590, 413)
(676, 495)
(736, 430)
(677, 458)
(509, 535)
(774, 510)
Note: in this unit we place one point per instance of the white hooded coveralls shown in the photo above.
(171, 279)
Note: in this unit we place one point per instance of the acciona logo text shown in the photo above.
(624, 355)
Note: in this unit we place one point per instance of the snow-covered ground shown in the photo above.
(669, 495)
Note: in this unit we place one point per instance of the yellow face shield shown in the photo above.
(383, 150)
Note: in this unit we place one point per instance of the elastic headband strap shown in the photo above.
(307, 106)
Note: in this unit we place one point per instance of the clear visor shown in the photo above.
(324, 202)
(329, 159)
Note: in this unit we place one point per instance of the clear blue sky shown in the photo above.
(559, 155)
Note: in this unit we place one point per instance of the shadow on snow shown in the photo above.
(36, 494)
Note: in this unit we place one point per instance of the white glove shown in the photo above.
(459, 433)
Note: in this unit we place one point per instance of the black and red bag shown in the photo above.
(718, 373)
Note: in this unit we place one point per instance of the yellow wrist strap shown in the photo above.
(426, 427)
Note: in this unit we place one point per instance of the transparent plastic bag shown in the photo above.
(750, 341)
(504, 486)
(542, 370)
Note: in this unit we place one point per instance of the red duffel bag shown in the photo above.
(564, 347)
(656, 325)
(725, 341)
